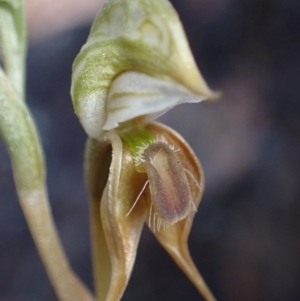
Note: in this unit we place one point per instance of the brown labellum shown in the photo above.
(170, 191)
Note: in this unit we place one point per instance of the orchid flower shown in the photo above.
(161, 186)
(135, 66)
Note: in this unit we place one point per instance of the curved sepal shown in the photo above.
(122, 230)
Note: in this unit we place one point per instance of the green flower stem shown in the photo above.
(20, 136)
(13, 42)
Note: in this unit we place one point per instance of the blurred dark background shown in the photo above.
(246, 234)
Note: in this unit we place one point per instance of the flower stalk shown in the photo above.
(18, 131)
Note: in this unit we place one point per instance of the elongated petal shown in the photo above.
(97, 163)
(144, 36)
(122, 230)
(174, 237)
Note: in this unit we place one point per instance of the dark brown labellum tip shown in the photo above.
(170, 191)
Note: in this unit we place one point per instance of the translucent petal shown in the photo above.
(134, 94)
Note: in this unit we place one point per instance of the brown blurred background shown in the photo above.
(246, 235)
